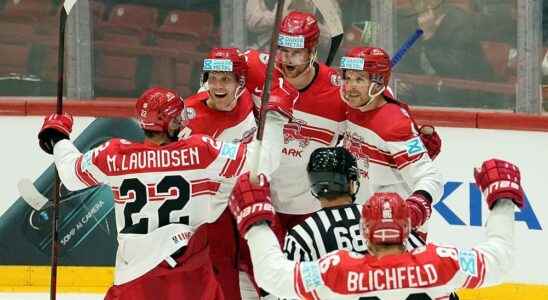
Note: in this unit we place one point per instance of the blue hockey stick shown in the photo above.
(405, 47)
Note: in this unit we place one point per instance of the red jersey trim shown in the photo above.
(84, 176)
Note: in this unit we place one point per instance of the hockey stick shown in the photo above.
(333, 22)
(411, 40)
(65, 11)
(31, 195)
(270, 69)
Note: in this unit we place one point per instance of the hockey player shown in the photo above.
(225, 111)
(334, 179)
(318, 114)
(382, 135)
(163, 191)
(391, 272)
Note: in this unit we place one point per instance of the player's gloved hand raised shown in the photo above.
(420, 209)
(282, 97)
(250, 202)
(55, 128)
(499, 179)
(431, 140)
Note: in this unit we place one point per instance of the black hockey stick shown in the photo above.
(329, 12)
(65, 10)
(270, 69)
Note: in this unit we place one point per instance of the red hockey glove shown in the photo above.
(282, 97)
(499, 179)
(431, 140)
(55, 128)
(250, 203)
(420, 209)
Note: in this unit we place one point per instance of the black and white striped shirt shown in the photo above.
(331, 229)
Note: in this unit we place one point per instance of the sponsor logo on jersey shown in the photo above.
(468, 262)
(311, 275)
(229, 150)
(87, 160)
(415, 146)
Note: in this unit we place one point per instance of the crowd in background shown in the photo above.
(470, 41)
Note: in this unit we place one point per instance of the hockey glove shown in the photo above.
(55, 128)
(499, 179)
(431, 140)
(282, 97)
(420, 209)
(250, 203)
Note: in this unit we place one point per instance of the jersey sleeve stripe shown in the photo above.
(84, 176)
(477, 281)
(407, 160)
(232, 167)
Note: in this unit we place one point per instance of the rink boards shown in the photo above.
(457, 219)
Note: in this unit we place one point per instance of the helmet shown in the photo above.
(386, 219)
(375, 61)
(228, 60)
(299, 30)
(156, 108)
(330, 172)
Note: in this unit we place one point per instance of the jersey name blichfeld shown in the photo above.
(392, 278)
(153, 159)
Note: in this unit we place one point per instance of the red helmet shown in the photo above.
(156, 108)
(299, 30)
(375, 61)
(218, 60)
(386, 219)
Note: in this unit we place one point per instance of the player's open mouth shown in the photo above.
(290, 68)
(220, 95)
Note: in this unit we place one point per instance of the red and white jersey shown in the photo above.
(318, 120)
(234, 126)
(433, 270)
(390, 154)
(158, 191)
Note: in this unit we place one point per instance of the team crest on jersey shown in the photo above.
(263, 57)
(188, 114)
(293, 131)
(354, 143)
(414, 146)
(311, 275)
(229, 150)
(468, 262)
(336, 80)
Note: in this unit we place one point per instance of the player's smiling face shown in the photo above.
(356, 87)
(222, 90)
(293, 62)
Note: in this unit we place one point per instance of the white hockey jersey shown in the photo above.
(318, 121)
(430, 272)
(390, 154)
(161, 193)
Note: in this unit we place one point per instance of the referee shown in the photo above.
(333, 176)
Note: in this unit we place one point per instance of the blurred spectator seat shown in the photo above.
(497, 55)
(28, 8)
(14, 58)
(182, 30)
(127, 25)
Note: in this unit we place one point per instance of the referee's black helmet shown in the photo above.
(331, 171)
